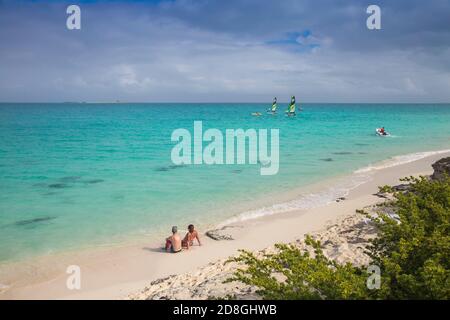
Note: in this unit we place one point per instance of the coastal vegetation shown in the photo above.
(411, 251)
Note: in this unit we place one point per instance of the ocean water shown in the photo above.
(76, 176)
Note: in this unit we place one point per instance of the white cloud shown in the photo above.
(159, 56)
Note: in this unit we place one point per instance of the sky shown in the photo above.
(225, 51)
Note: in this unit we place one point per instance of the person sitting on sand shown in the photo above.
(192, 234)
(173, 243)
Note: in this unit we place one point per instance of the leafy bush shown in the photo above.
(412, 249)
(292, 274)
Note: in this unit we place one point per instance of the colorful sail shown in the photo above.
(291, 108)
(274, 105)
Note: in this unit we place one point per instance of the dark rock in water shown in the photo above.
(264, 163)
(327, 159)
(237, 171)
(176, 166)
(94, 181)
(171, 167)
(342, 152)
(70, 179)
(441, 168)
(32, 221)
(58, 185)
(40, 184)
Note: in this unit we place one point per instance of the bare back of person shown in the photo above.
(176, 242)
(173, 243)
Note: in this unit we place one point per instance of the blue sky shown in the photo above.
(227, 51)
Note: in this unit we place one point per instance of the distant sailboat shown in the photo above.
(274, 107)
(291, 109)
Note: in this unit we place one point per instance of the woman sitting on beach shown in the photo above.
(190, 237)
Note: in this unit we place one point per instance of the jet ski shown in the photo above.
(381, 133)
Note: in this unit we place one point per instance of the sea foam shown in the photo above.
(307, 201)
(331, 194)
(399, 160)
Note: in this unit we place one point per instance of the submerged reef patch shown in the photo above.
(33, 221)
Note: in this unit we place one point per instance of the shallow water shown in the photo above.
(82, 175)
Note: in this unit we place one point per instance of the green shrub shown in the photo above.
(412, 249)
(292, 274)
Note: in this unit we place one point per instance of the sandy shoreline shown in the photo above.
(345, 240)
(114, 273)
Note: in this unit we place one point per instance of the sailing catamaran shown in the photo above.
(274, 107)
(291, 109)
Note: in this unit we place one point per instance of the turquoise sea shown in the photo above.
(86, 175)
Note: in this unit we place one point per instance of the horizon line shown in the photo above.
(216, 102)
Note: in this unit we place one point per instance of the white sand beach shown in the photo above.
(128, 271)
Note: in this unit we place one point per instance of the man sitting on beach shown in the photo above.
(190, 237)
(173, 243)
